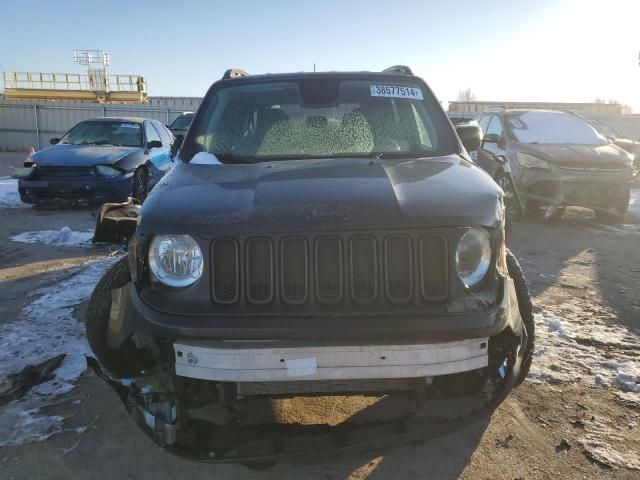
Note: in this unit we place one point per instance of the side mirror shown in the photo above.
(154, 144)
(470, 136)
(177, 143)
(491, 138)
(54, 141)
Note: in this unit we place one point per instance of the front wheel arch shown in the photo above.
(140, 191)
(525, 306)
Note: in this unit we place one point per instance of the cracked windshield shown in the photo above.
(375, 242)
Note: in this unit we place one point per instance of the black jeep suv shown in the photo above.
(323, 234)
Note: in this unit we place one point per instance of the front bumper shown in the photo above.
(88, 190)
(449, 357)
(279, 362)
(131, 314)
(568, 186)
(256, 444)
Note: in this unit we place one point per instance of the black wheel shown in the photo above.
(119, 362)
(526, 311)
(534, 209)
(618, 208)
(140, 184)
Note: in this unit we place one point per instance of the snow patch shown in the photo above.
(65, 236)
(588, 350)
(47, 327)
(605, 441)
(204, 158)
(9, 196)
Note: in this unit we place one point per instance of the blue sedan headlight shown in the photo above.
(107, 171)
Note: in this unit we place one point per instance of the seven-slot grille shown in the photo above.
(330, 269)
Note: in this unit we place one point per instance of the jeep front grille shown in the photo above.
(363, 268)
(294, 261)
(330, 270)
(329, 266)
(260, 270)
(226, 271)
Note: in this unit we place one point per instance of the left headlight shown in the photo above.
(107, 171)
(473, 256)
(175, 260)
(527, 160)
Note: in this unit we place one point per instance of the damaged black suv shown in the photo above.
(323, 234)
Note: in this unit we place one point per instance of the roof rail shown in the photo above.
(234, 72)
(399, 69)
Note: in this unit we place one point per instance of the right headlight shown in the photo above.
(175, 260)
(473, 256)
(527, 160)
(107, 171)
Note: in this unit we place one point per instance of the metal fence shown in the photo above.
(31, 124)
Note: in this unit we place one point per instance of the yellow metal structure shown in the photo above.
(72, 86)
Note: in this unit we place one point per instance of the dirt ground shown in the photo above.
(564, 423)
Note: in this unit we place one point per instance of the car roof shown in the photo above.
(118, 119)
(524, 110)
(319, 75)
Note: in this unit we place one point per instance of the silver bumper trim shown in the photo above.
(275, 361)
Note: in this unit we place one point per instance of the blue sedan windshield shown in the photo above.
(102, 132)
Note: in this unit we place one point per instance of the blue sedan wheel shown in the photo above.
(140, 184)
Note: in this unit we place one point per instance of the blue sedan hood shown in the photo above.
(81, 155)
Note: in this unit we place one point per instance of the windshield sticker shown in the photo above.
(130, 125)
(396, 91)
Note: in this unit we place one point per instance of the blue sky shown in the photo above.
(503, 50)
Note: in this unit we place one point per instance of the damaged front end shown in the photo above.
(116, 222)
(589, 183)
(232, 421)
(205, 422)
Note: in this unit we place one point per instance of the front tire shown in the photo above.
(119, 362)
(140, 184)
(526, 312)
(619, 208)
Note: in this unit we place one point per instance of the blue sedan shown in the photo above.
(97, 161)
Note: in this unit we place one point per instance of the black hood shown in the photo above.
(322, 195)
(577, 155)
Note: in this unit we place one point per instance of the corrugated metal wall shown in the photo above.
(25, 123)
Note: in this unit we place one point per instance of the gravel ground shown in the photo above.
(577, 417)
(9, 161)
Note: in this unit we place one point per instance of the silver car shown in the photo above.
(557, 159)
